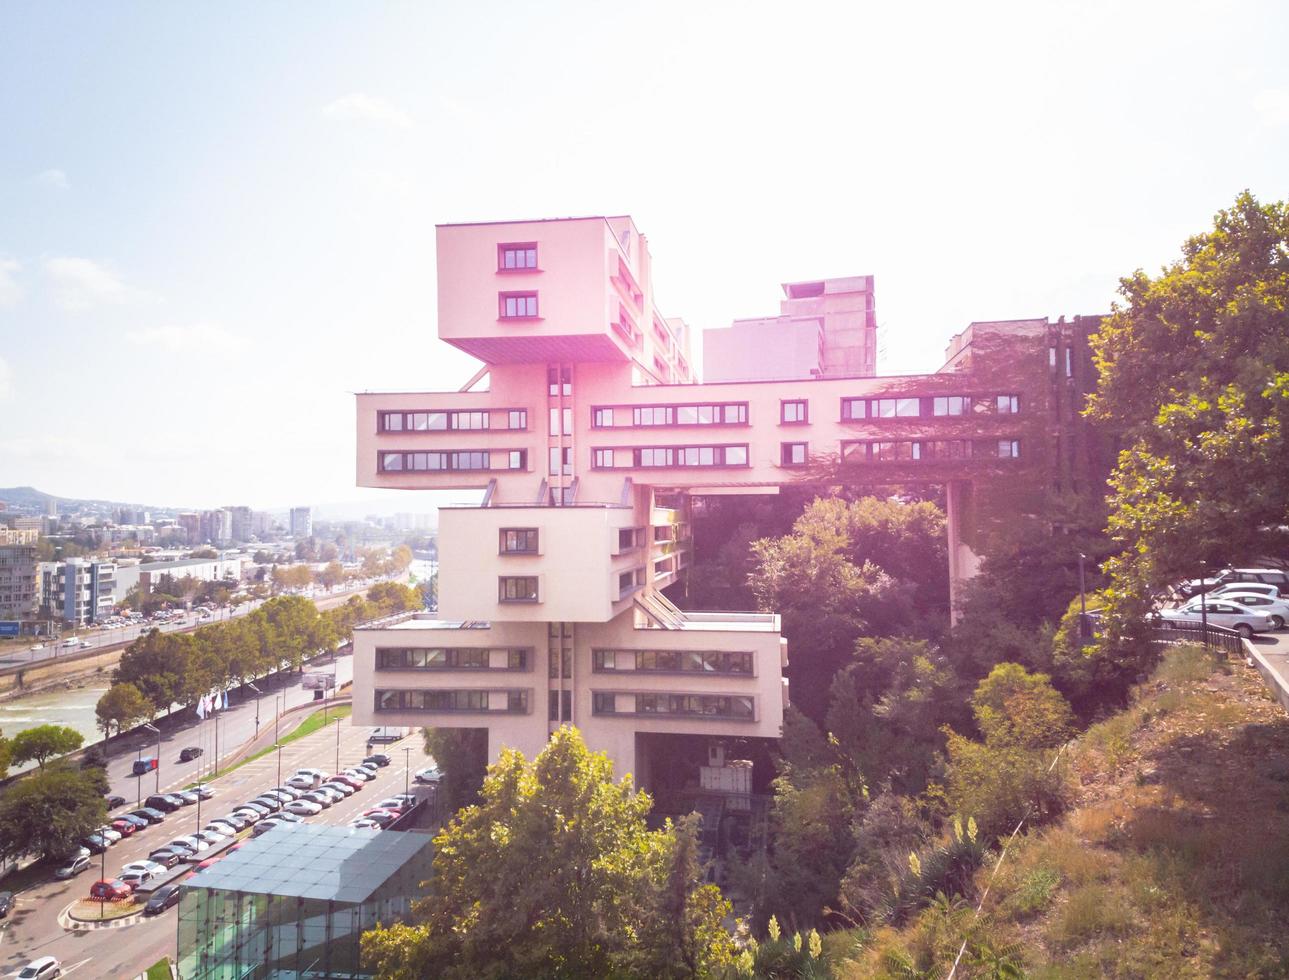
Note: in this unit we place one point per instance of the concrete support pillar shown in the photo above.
(964, 564)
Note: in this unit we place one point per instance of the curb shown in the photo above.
(71, 924)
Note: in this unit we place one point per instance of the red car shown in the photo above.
(124, 827)
(109, 891)
(348, 781)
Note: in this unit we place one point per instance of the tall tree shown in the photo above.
(49, 811)
(555, 874)
(42, 743)
(122, 706)
(1194, 373)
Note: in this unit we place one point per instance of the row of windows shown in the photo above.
(642, 416)
(930, 449)
(466, 460)
(450, 420)
(512, 702)
(517, 306)
(449, 658)
(673, 661)
(855, 409)
(517, 588)
(653, 457)
(685, 705)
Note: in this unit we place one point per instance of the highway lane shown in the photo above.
(34, 928)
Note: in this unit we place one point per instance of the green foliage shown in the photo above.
(6, 755)
(47, 812)
(462, 755)
(1011, 775)
(885, 836)
(123, 706)
(1194, 372)
(42, 743)
(554, 873)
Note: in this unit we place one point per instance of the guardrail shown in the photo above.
(1212, 635)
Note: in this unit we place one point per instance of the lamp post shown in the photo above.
(154, 728)
(337, 743)
(407, 771)
(258, 692)
(277, 713)
(1203, 600)
(279, 763)
(138, 784)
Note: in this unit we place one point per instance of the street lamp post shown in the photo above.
(258, 692)
(279, 763)
(337, 743)
(277, 713)
(154, 728)
(1203, 600)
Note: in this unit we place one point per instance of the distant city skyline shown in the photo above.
(215, 225)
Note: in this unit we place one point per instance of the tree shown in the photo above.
(123, 706)
(5, 755)
(554, 873)
(332, 575)
(461, 754)
(262, 557)
(50, 811)
(400, 558)
(1194, 377)
(206, 552)
(42, 743)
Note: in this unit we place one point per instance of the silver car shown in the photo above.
(1243, 620)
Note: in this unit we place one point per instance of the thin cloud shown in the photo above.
(357, 107)
(82, 284)
(1272, 105)
(6, 380)
(54, 178)
(10, 290)
(187, 338)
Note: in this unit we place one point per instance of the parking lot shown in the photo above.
(38, 926)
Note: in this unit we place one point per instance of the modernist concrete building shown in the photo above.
(587, 435)
(19, 590)
(79, 590)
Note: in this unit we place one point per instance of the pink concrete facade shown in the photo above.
(587, 433)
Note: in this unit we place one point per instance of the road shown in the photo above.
(34, 927)
(1275, 647)
(101, 639)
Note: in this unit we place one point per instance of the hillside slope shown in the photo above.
(1174, 861)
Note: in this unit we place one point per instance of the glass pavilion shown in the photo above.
(294, 903)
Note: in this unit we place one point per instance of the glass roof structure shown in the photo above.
(341, 864)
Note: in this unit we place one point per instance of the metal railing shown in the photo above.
(1183, 631)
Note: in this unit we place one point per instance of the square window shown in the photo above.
(792, 454)
(517, 255)
(794, 412)
(853, 409)
(517, 588)
(517, 306)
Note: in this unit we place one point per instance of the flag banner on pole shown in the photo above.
(225, 700)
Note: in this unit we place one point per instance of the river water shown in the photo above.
(74, 708)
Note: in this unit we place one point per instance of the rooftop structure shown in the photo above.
(587, 436)
(296, 902)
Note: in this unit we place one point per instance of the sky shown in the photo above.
(217, 220)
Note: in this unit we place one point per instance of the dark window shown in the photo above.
(626, 538)
(604, 703)
(794, 412)
(519, 541)
(792, 453)
(517, 255)
(853, 409)
(517, 588)
(516, 306)
(555, 700)
(559, 380)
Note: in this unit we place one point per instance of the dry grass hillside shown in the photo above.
(1174, 861)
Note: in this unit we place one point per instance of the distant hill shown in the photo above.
(29, 498)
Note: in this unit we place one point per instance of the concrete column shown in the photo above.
(964, 564)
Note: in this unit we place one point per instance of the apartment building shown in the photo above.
(79, 590)
(587, 436)
(19, 595)
(301, 521)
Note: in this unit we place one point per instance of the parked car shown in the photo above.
(428, 776)
(73, 867)
(288, 793)
(211, 837)
(6, 904)
(41, 969)
(239, 820)
(95, 843)
(350, 781)
(153, 867)
(163, 802)
(1219, 613)
(109, 834)
(362, 775)
(317, 774)
(124, 827)
(1269, 576)
(222, 827)
(166, 857)
(138, 822)
(110, 891)
(393, 803)
(149, 813)
(144, 766)
(263, 809)
(303, 782)
(186, 796)
(365, 823)
(264, 826)
(135, 878)
(377, 759)
(190, 753)
(268, 800)
(248, 815)
(113, 801)
(324, 800)
(1256, 588)
(344, 789)
(409, 799)
(285, 817)
(304, 808)
(190, 840)
(202, 790)
(162, 899)
(381, 817)
(1277, 608)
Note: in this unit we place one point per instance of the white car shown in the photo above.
(364, 823)
(193, 843)
(135, 878)
(249, 815)
(211, 837)
(1243, 620)
(221, 828)
(303, 808)
(152, 867)
(316, 773)
(362, 774)
(108, 834)
(1275, 607)
(302, 782)
(1251, 588)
